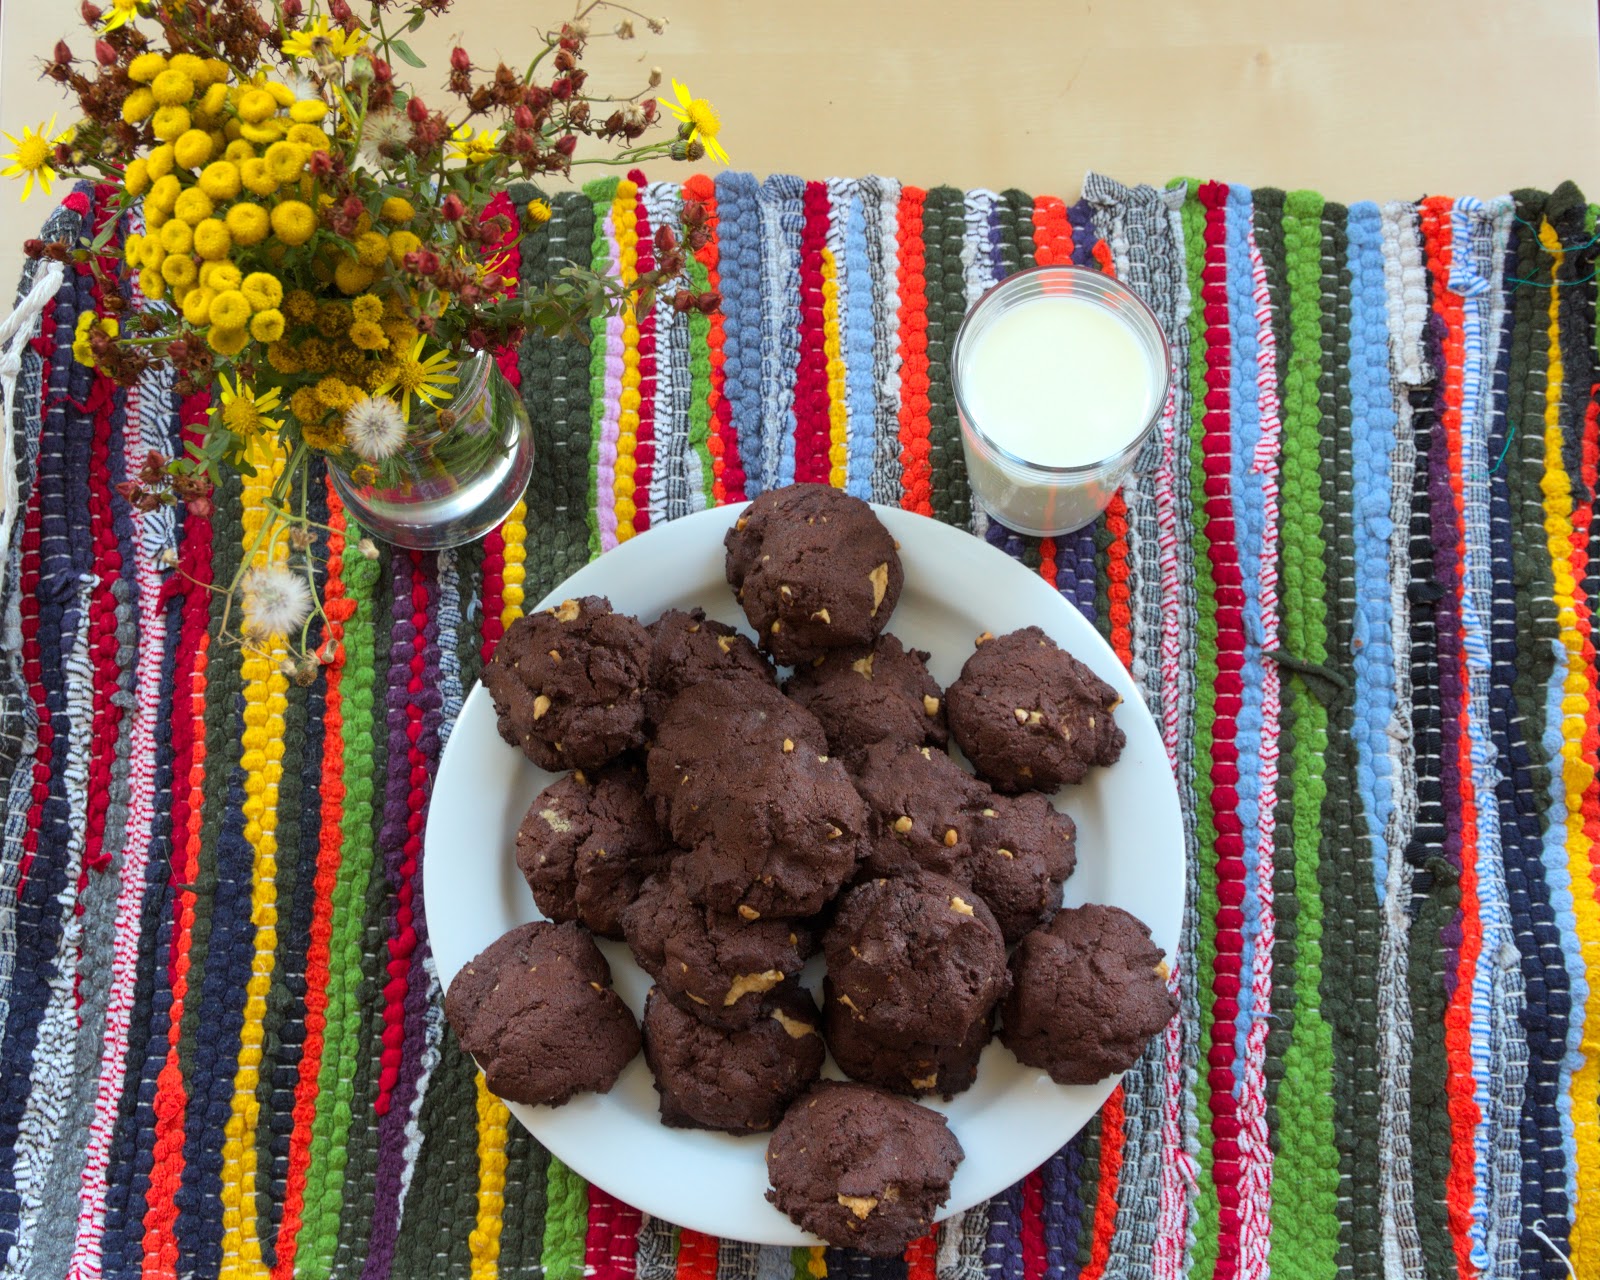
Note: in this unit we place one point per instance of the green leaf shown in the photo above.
(418, 17)
(406, 56)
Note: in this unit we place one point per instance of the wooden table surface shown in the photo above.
(1359, 98)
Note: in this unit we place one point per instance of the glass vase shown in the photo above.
(464, 466)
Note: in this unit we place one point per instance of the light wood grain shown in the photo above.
(1359, 99)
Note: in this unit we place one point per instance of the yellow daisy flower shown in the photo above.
(118, 14)
(700, 115)
(32, 154)
(336, 40)
(429, 380)
(474, 148)
(247, 414)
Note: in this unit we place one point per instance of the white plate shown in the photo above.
(1130, 853)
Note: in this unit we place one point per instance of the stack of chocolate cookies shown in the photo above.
(729, 824)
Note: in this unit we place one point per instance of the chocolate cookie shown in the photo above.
(1030, 715)
(815, 571)
(1090, 990)
(912, 1067)
(916, 956)
(537, 1011)
(1024, 851)
(926, 810)
(736, 1081)
(742, 779)
(688, 648)
(715, 965)
(861, 1168)
(568, 684)
(588, 843)
(881, 694)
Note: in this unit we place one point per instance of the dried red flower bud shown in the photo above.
(57, 252)
(459, 60)
(561, 88)
(478, 338)
(565, 61)
(416, 110)
(353, 208)
(665, 240)
(708, 301)
(614, 123)
(451, 207)
(178, 351)
(113, 302)
(578, 113)
(567, 145)
(201, 507)
(104, 54)
(536, 97)
(698, 238)
(424, 262)
(426, 324)
(382, 72)
(320, 164)
(33, 248)
(682, 301)
(292, 10)
(340, 12)
(570, 43)
(577, 78)
(90, 14)
(694, 213)
(649, 109)
(522, 118)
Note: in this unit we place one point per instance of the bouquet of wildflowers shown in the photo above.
(322, 243)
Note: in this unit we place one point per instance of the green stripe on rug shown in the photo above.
(944, 223)
(331, 1126)
(1306, 1175)
(600, 194)
(566, 1223)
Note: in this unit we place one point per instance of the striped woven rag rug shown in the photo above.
(1352, 574)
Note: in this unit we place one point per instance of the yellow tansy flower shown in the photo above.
(266, 326)
(256, 105)
(172, 87)
(220, 276)
(212, 240)
(372, 248)
(159, 161)
(351, 276)
(146, 67)
(138, 105)
(538, 211)
(136, 177)
(220, 180)
(314, 355)
(397, 209)
(308, 110)
(326, 436)
(177, 237)
(238, 151)
(263, 135)
(308, 136)
(293, 222)
(300, 306)
(335, 393)
(191, 66)
(368, 335)
(230, 309)
(177, 269)
(193, 206)
(197, 305)
(193, 148)
(247, 224)
(305, 406)
(257, 181)
(164, 192)
(332, 320)
(281, 356)
(400, 244)
(262, 290)
(286, 161)
(152, 285)
(367, 307)
(226, 342)
(170, 123)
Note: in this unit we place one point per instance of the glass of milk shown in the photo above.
(1060, 375)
